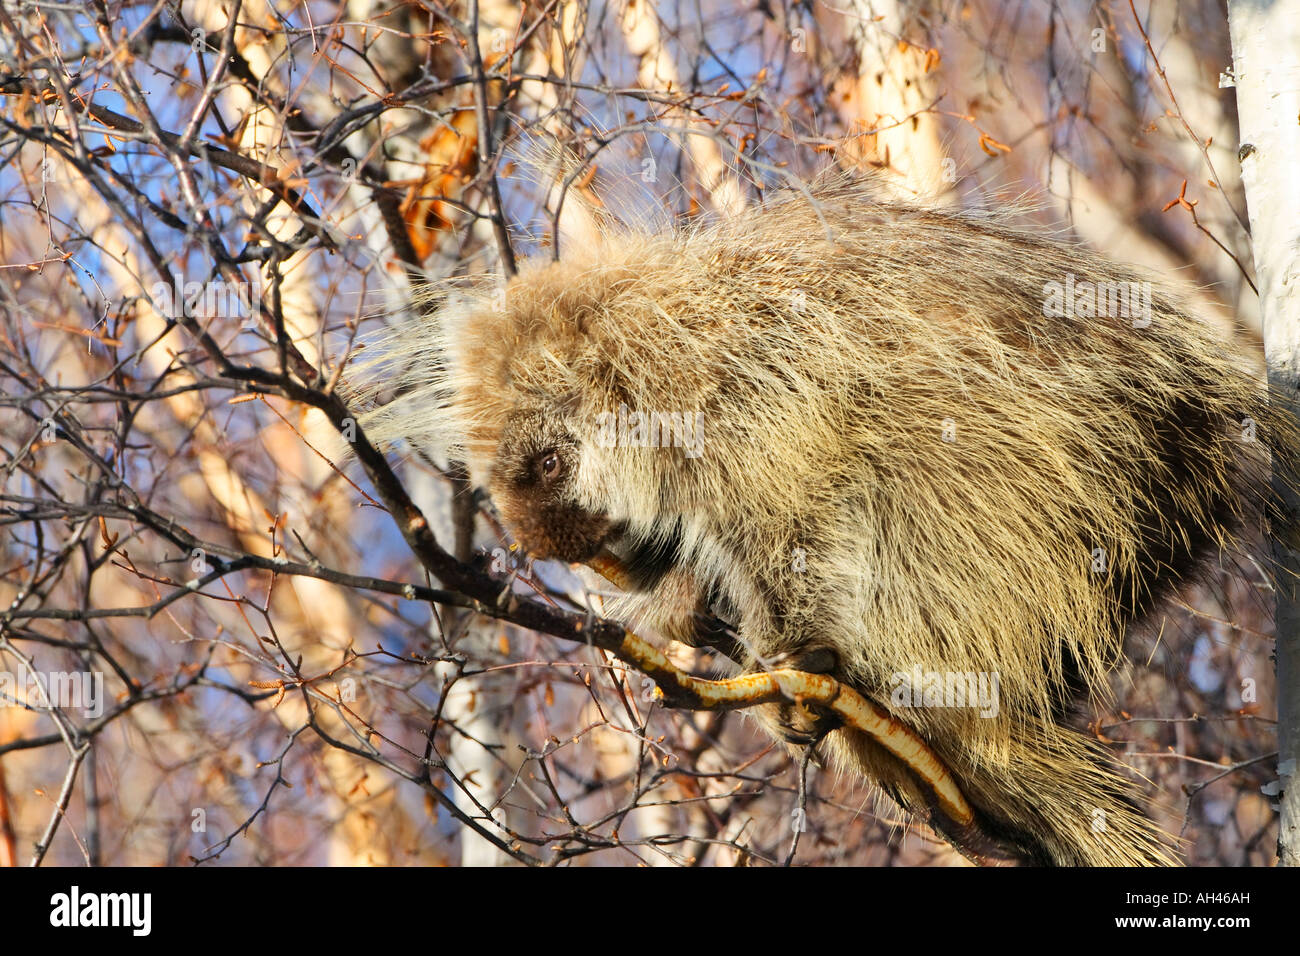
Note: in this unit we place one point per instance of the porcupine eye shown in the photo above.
(549, 465)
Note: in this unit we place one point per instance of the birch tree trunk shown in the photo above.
(1266, 71)
(891, 95)
(658, 70)
(439, 155)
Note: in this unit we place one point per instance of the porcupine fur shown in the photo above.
(904, 461)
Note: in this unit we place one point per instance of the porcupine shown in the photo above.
(909, 459)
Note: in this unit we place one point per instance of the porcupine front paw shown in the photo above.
(805, 724)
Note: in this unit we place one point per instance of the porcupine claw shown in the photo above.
(802, 724)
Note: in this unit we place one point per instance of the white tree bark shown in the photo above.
(1266, 67)
(483, 707)
(657, 70)
(892, 95)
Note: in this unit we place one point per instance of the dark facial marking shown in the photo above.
(646, 562)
